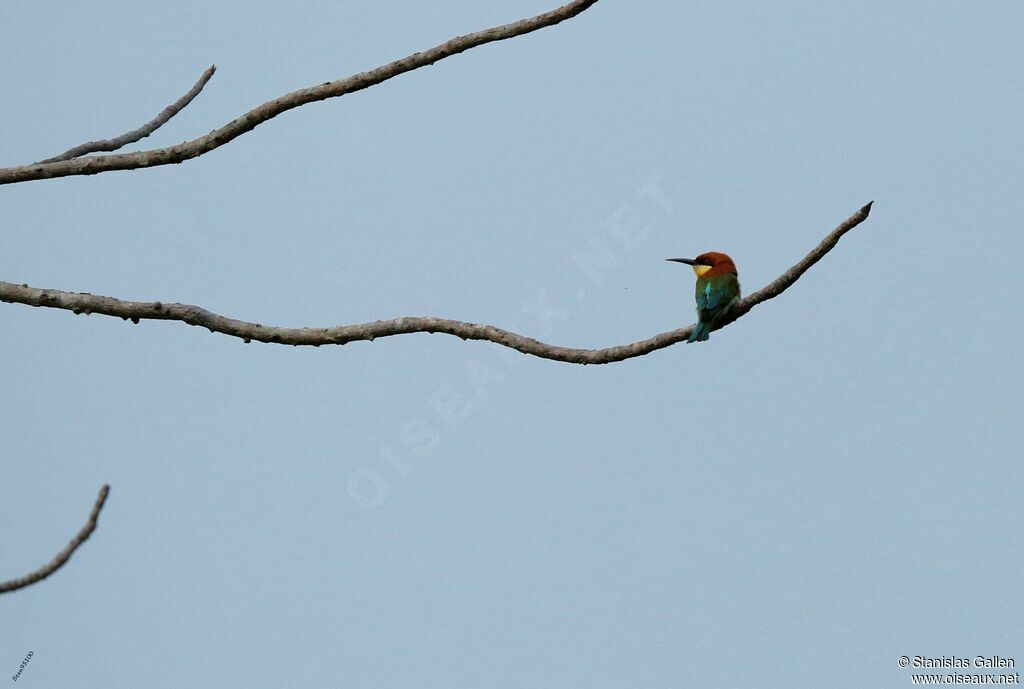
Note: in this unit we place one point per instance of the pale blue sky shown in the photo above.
(828, 484)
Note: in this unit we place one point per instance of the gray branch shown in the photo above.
(63, 556)
(136, 134)
(250, 120)
(84, 303)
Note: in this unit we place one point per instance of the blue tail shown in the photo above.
(701, 332)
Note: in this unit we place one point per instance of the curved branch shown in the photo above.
(79, 302)
(250, 120)
(136, 134)
(63, 556)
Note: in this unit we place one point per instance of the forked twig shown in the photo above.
(136, 134)
(257, 116)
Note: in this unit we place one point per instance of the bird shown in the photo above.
(718, 288)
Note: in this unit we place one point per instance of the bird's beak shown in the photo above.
(687, 261)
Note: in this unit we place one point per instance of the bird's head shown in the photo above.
(712, 262)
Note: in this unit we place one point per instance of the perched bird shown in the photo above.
(718, 288)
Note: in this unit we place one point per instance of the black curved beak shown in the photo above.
(687, 261)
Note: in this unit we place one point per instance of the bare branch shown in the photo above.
(79, 302)
(781, 283)
(250, 120)
(136, 134)
(63, 556)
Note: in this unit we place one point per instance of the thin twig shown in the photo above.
(136, 134)
(781, 283)
(338, 335)
(63, 556)
(250, 120)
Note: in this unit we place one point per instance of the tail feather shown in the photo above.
(701, 332)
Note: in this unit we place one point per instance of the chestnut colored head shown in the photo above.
(709, 264)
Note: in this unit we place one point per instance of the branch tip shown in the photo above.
(104, 492)
(63, 556)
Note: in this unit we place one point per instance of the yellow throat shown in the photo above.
(700, 270)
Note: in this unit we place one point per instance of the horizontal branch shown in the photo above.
(250, 120)
(63, 556)
(79, 302)
(136, 134)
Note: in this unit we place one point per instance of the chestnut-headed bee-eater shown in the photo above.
(718, 288)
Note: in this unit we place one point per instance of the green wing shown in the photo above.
(715, 293)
